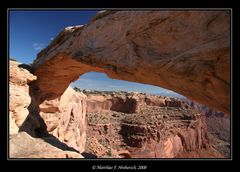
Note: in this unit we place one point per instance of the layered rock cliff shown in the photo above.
(183, 51)
(127, 102)
(165, 128)
(120, 103)
(218, 127)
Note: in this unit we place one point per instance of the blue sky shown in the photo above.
(31, 31)
(101, 82)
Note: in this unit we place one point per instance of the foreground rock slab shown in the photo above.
(23, 145)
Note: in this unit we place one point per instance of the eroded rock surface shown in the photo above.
(107, 103)
(127, 102)
(62, 118)
(19, 98)
(157, 130)
(184, 51)
(22, 145)
(218, 127)
(65, 118)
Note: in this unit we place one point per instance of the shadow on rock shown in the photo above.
(35, 126)
(27, 67)
(88, 155)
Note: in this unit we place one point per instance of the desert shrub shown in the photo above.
(77, 89)
(13, 59)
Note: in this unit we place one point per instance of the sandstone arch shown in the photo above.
(185, 51)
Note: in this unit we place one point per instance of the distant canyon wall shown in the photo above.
(189, 139)
(120, 103)
(128, 103)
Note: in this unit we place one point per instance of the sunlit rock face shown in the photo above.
(65, 118)
(19, 98)
(23, 145)
(184, 51)
(60, 121)
(127, 103)
(100, 103)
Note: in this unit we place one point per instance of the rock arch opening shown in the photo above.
(166, 49)
(106, 94)
(100, 82)
(155, 48)
(184, 51)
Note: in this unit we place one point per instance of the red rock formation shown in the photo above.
(160, 131)
(162, 101)
(185, 51)
(120, 103)
(63, 117)
(129, 103)
(192, 137)
(218, 127)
